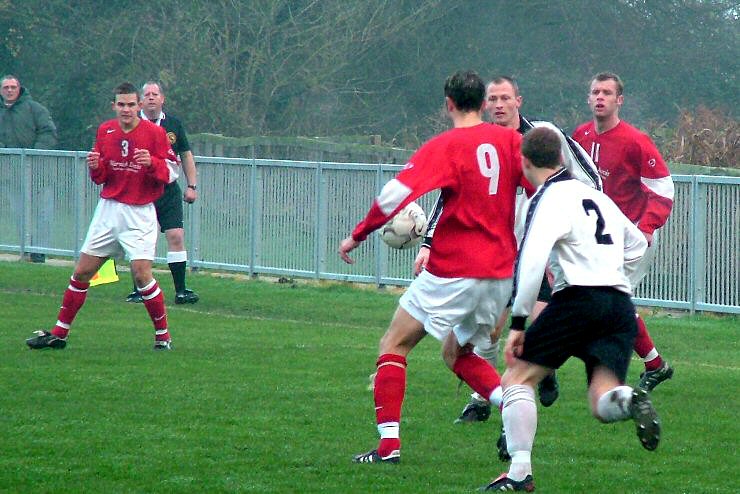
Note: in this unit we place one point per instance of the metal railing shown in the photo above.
(286, 218)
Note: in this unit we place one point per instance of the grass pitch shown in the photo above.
(266, 391)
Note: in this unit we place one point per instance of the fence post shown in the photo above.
(25, 200)
(698, 223)
(253, 204)
(322, 220)
(380, 265)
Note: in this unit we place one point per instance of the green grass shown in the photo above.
(265, 391)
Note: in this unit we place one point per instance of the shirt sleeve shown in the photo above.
(657, 184)
(428, 169)
(100, 174)
(546, 224)
(163, 157)
(634, 247)
(433, 220)
(46, 131)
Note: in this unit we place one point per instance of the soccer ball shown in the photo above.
(405, 229)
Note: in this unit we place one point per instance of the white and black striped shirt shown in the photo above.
(581, 234)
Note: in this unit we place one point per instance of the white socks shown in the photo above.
(520, 423)
(614, 405)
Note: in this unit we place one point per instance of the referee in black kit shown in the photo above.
(169, 206)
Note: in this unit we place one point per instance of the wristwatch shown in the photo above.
(194, 187)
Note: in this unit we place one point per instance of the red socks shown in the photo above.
(477, 373)
(74, 298)
(389, 390)
(644, 346)
(154, 303)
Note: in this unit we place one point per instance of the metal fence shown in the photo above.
(287, 218)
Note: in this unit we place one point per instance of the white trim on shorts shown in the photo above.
(467, 306)
(117, 228)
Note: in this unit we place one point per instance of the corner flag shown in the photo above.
(106, 274)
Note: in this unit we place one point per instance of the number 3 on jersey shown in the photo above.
(489, 165)
(124, 148)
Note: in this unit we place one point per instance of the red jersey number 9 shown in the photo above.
(489, 165)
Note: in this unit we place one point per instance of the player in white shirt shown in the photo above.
(590, 247)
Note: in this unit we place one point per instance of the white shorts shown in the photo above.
(467, 306)
(117, 228)
(643, 266)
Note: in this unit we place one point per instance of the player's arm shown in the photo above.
(635, 245)
(96, 163)
(188, 166)
(424, 172)
(46, 131)
(581, 165)
(548, 223)
(422, 258)
(657, 185)
(159, 159)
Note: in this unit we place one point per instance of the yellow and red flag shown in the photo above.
(106, 274)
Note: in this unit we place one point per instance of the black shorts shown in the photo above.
(594, 324)
(169, 207)
(545, 294)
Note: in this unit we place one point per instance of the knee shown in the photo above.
(175, 239)
(449, 358)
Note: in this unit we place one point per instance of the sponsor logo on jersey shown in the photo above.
(604, 173)
(651, 162)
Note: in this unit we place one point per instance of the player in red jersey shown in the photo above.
(477, 166)
(638, 181)
(131, 159)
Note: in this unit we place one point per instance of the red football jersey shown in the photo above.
(478, 170)
(123, 179)
(634, 174)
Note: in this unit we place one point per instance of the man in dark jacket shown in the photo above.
(24, 123)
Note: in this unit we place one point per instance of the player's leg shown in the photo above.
(611, 401)
(657, 370)
(134, 297)
(153, 299)
(475, 371)
(519, 415)
(170, 218)
(100, 243)
(607, 359)
(548, 388)
(177, 258)
(138, 238)
(401, 337)
(478, 408)
(72, 301)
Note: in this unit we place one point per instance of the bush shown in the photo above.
(704, 136)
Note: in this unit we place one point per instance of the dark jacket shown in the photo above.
(26, 124)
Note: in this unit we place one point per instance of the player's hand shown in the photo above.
(345, 247)
(513, 348)
(142, 157)
(422, 258)
(189, 195)
(93, 160)
(649, 238)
